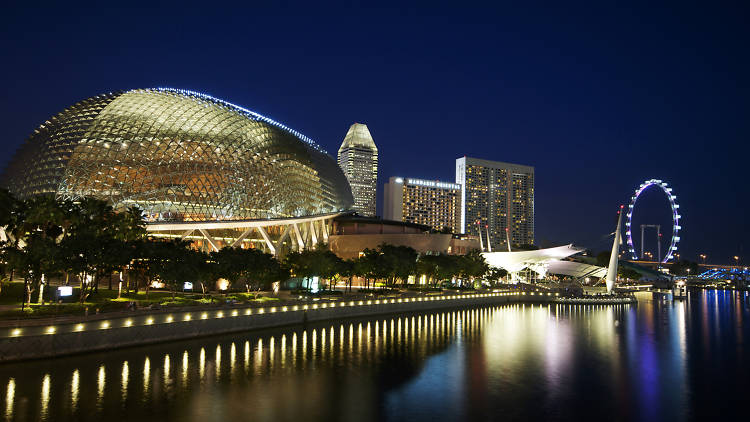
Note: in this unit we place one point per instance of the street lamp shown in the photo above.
(736, 260)
(703, 257)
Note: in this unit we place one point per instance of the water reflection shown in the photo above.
(74, 391)
(166, 371)
(184, 367)
(521, 361)
(232, 357)
(125, 374)
(100, 379)
(217, 361)
(202, 363)
(146, 376)
(45, 397)
(9, 397)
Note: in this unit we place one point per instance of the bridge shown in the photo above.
(655, 264)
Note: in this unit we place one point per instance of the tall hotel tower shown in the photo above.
(497, 196)
(358, 158)
(429, 202)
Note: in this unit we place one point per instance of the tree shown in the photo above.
(34, 261)
(141, 265)
(32, 230)
(473, 265)
(623, 271)
(369, 266)
(229, 264)
(494, 275)
(176, 263)
(449, 267)
(8, 215)
(44, 236)
(396, 262)
(684, 268)
(346, 270)
(629, 273)
(253, 267)
(429, 266)
(99, 242)
(330, 264)
(311, 263)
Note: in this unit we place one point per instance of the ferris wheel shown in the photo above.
(675, 220)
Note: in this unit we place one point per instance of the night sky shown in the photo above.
(598, 98)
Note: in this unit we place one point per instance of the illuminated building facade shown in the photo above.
(430, 202)
(358, 158)
(190, 163)
(496, 196)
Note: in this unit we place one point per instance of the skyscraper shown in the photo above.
(497, 196)
(429, 202)
(358, 158)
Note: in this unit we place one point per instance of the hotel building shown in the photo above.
(428, 202)
(496, 196)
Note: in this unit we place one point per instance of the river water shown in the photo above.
(656, 361)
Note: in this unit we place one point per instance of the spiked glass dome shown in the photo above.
(178, 156)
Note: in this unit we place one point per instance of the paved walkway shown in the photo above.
(285, 300)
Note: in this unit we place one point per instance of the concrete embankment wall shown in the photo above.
(49, 341)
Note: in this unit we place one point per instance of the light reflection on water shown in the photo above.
(10, 395)
(518, 361)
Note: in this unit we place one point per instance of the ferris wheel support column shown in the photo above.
(658, 243)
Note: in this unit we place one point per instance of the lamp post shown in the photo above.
(703, 257)
(736, 260)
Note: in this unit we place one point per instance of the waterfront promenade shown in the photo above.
(49, 338)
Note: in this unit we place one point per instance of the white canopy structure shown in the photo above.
(537, 260)
(576, 269)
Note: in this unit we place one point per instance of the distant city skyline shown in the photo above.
(658, 94)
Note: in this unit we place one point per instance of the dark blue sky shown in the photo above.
(597, 97)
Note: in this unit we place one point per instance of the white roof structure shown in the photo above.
(576, 269)
(537, 260)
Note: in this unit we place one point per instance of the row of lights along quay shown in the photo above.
(99, 334)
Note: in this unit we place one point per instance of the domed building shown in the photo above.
(190, 162)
